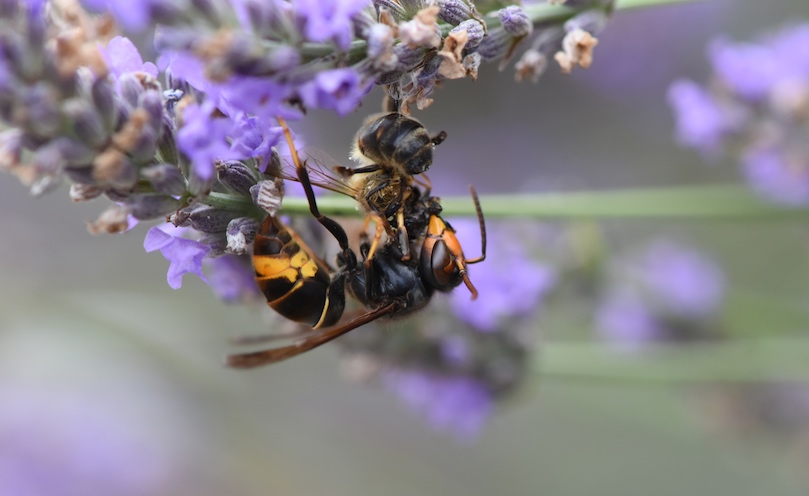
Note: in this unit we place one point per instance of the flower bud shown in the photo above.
(240, 233)
(216, 241)
(455, 11)
(474, 31)
(515, 22)
(236, 176)
(165, 178)
(103, 96)
(152, 206)
(208, 219)
(130, 88)
(84, 122)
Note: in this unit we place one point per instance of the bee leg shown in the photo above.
(401, 235)
(380, 228)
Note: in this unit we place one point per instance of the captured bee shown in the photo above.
(305, 289)
(391, 148)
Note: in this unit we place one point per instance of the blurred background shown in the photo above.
(112, 383)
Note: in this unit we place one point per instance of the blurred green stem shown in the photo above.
(688, 202)
(738, 360)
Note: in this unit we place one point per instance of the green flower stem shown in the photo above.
(689, 202)
(540, 14)
(225, 201)
(739, 360)
(634, 4)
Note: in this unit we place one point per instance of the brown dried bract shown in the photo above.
(577, 49)
(452, 66)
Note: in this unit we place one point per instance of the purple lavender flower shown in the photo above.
(254, 140)
(509, 282)
(68, 444)
(774, 176)
(122, 56)
(329, 21)
(625, 322)
(682, 281)
(458, 404)
(664, 292)
(701, 122)
(750, 70)
(754, 111)
(337, 89)
(232, 279)
(184, 255)
(203, 138)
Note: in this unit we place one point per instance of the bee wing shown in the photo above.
(323, 172)
(273, 355)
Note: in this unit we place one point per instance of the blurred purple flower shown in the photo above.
(330, 20)
(749, 70)
(135, 15)
(122, 56)
(203, 138)
(56, 444)
(457, 404)
(337, 89)
(263, 97)
(509, 282)
(770, 174)
(232, 279)
(681, 281)
(664, 292)
(701, 122)
(184, 255)
(624, 321)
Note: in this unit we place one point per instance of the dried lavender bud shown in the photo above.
(198, 185)
(152, 206)
(104, 99)
(84, 192)
(531, 65)
(494, 45)
(380, 48)
(474, 31)
(455, 11)
(515, 22)
(208, 219)
(236, 176)
(240, 233)
(85, 123)
(152, 102)
(217, 242)
(408, 58)
(267, 195)
(130, 88)
(166, 146)
(39, 110)
(115, 219)
(10, 148)
(165, 178)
